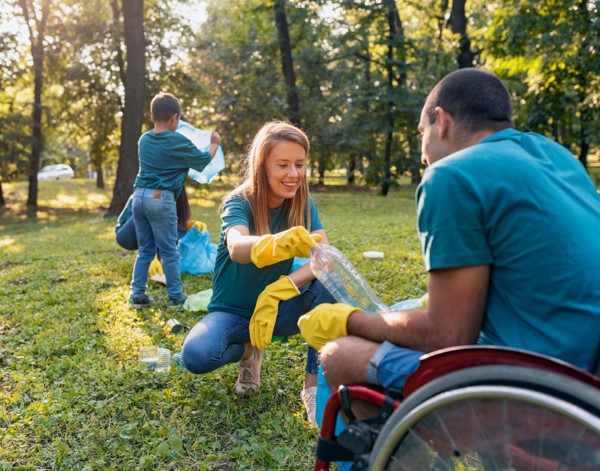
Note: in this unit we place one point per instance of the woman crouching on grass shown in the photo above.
(266, 222)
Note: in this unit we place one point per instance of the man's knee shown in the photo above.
(335, 352)
(345, 360)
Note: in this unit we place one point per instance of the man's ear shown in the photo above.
(444, 121)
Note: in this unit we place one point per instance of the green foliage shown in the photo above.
(72, 396)
(227, 74)
(549, 51)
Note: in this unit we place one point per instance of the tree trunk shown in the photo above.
(352, 171)
(131, 124)
(414, 164)
(395, 32)
(287, 63)
(36, 38)
(458, 25)
(99, 177)
(585, 113)
(2, 200)
(36, 143)
(322, 167)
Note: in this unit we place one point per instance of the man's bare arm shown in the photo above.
(453, 316)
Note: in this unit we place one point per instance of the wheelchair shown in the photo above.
(468, 409)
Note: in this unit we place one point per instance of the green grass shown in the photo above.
(71, 393)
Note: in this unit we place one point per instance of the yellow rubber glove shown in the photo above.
(155, 268)
(324, 323)
(263, 320)
(198, 225)
(274, 248)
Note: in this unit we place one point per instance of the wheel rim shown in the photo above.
(492, 428)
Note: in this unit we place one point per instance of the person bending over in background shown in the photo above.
(509, 226)
(267, 221)
(165, 159)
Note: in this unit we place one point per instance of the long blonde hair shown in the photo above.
(255, 188)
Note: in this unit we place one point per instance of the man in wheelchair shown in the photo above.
(509, 224)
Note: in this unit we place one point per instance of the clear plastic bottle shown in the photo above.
(342, 280)
(154, 358)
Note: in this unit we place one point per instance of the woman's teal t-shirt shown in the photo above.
(236, 286)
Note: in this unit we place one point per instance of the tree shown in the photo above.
(549, 51)
(36, 19)
(395, 65)
(458, 25)
(233, 63)
(89, 102)
(15, 123)
(131, 124)
(287, 63)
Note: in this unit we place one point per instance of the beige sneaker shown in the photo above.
(309, 399)
(249, 377)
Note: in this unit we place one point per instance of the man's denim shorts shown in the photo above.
(390, 365)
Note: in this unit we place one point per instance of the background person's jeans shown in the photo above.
(155, 218)
(218, 339)
(126, 237)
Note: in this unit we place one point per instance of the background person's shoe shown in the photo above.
(140, 302)
(309, 399)
(177, 302)
(249, 378)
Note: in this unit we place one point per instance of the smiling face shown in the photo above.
(286, 169)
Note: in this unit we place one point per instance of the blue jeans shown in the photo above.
(155, 219)
(219, 338)
(126, 237)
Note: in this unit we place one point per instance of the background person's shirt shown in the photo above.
(523, 204)
(165, 160)
(236, 286)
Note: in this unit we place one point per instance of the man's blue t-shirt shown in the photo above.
(165, 160)
(236, 286)
(523, 204)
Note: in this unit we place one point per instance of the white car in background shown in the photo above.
(55, 172)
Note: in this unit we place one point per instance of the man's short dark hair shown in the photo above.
(475, 99)
(163, 106)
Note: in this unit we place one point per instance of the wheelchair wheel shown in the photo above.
(523, 420)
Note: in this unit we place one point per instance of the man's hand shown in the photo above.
(263, 320)
(274, 248)
(324, 323)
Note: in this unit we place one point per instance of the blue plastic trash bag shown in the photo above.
(323, 394)
(197, 253)
(298, 262)
(201, 139)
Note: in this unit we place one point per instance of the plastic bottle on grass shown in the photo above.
(342, 280)
(154, 358)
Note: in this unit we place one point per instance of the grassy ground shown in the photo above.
(71, 393)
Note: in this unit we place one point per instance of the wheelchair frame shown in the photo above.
(487, 368)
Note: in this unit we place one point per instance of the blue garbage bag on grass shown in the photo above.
(197, 254)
